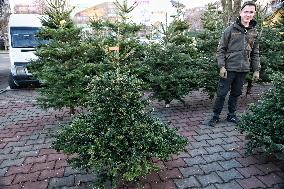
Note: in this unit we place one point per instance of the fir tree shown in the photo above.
(263, 123)
(62, 62)
(171, 72)
(207, 41)
(271, 49)
(121, 36)
(118, 138)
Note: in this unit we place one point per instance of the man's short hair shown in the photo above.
(249, 3)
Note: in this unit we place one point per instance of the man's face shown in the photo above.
(247, 14)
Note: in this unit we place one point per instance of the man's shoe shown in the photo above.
(233, 119)
(213, 121)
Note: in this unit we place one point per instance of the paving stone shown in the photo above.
(60, 164)
(218, 130)
(6, 150)
(217, 141)
(84, 186)
(57, 156)
(3, 171)
(250, 171)
(11, 162)
(217, 135)
(204, 129)
(46, 174)
(230, 185)
(214, 149)
(185, 183)
(229, 175)
(232, 133)
(37, 159)
(28, 115)
(250, 183)
(230, 164)
(84, 178)
(193, 170)
(18, 169)
(28, 177)
(16, 144)
(8, 156)
(210, 167)
(71, 171)
(270, 179)
(248, 160)
(230, 155)
(199, 144)
(211, 178)
(268, 168)
(43, 166)
(280, 174)
(151, 177)
(230, 146)
(41, 146)
(278, 186)
(29, 153)
(7, 180)
(36, 185)
(213, 157)
(34, 136)
(198, 151)
(170, 174)
(163, 185)
(35, 141)
(195, 160)
(21, 149)
(202, 137)
(232, 139)
(175, 163)
(60, 182)
(209, 187)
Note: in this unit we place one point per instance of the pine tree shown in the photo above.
(118, 138)
(62, 63)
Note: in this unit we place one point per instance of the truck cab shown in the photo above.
(22, 29)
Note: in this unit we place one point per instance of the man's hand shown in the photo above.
(223, 72)
(255, 76)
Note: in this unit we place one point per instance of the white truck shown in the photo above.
(22, 42)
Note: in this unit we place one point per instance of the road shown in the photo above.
(4, 70)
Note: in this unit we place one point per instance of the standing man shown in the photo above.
(237, 54)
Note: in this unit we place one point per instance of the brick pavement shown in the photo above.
(214, 157)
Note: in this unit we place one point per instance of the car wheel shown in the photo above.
(12, 83)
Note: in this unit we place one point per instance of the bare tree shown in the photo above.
(231, 10)
(4, 14)
(40, 6)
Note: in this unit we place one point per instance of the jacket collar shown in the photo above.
(252, 23)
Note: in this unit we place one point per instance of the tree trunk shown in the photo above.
(236, 10)
(231, 10)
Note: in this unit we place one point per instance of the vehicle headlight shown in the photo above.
(20, 70)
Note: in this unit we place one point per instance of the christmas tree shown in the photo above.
(62, 64)
(118, 138)
(172, 73)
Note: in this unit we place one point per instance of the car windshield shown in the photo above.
(24, 37)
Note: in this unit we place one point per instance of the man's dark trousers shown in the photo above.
(233, 82)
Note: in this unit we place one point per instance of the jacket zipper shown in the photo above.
(244, 48)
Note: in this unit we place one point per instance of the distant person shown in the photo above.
(237, 54)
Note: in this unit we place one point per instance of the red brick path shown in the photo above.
(214, 158)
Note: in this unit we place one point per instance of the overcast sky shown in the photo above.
(154, 4)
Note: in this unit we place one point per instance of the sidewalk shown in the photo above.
(214, 159)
